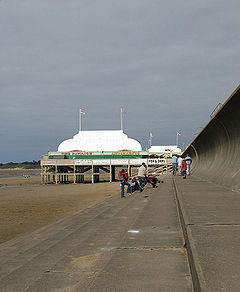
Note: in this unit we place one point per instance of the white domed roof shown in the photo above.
(100, 141)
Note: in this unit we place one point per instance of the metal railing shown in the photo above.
(159, 170)
(217, 108)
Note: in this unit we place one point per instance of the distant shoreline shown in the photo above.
(21, 165)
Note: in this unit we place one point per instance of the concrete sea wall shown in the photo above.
(216, 150)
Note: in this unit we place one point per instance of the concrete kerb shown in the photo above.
(198, 281)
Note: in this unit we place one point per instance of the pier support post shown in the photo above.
(92, 173)
(113, 173)
(96, 177)
(56, 174)
(42, 179)
(74, 174)
(110, 172)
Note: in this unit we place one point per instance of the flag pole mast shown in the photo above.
(81, 112)
(121, 118)
(80, 120)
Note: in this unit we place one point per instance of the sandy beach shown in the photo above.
(26, 205)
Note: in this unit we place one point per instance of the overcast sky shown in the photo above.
(166, 63)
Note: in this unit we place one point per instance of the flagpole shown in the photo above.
(177, 140)
(80, 121)
(81, 112)
(121, 119)
(150, 140)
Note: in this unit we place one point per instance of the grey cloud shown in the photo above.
(168, 63)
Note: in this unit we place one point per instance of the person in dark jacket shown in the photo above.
(153, 181)
(124, 181)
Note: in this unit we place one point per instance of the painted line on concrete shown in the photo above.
(236, 173)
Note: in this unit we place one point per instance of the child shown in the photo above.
(153, 181)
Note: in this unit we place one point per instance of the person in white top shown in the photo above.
(188, 161)
(179, 164)
(142, 176)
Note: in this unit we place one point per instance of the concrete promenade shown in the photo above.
(134, 244)
(211, 223)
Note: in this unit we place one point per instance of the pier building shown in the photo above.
(91, 156)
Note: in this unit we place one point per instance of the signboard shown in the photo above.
(156, 161)
(83, 162)
(127, 152)
(98, 153)
(152, 161)
(119, 161)
(101, 162)
(137, 161)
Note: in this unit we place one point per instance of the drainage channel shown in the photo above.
(187, 238)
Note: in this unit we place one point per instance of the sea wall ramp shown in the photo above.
(216, 150)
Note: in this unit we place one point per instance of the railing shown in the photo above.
(217, 108)
(159, 170)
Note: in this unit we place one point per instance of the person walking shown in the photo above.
(142, 176)
(179, 164)
(124, 181)
(188, 160)
(183, 168)
(174, 164)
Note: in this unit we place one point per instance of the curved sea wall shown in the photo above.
(216, 150)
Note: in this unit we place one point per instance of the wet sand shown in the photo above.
(16, 172)
(26, 205)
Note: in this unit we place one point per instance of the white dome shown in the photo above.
(171, 148)
(100, 141)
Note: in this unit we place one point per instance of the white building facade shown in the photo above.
(165, 149)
